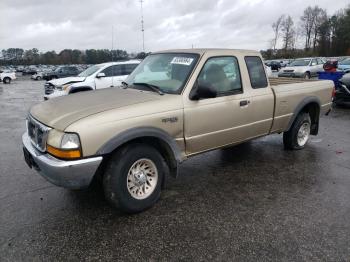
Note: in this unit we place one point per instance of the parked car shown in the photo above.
(7, 77)
(30, 70)
(38, 76)
(285, 62)
(344, 65)
(275, 65)
(95, 77)
(342, 94)
(303, 67)
(60, 72)
(174, 105)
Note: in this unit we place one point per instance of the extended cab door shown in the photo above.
(262, 99)
(214, 122)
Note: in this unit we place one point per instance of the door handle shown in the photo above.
(244, 102)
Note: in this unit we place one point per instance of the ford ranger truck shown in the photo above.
(174, 105)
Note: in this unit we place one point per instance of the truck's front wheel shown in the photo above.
(133, 178)
(298, 135)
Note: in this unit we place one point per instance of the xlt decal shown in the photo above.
(170, 120)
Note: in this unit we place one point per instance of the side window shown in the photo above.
(313, 62)
(128, 68)
(256, 72)
(107, 71)
(222, 74)
(114, 70)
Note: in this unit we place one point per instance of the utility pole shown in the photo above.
(142, 28)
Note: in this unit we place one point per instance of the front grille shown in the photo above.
(49, 88)
(38, 133)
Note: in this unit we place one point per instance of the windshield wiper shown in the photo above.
(152, 87)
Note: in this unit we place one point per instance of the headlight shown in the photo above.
(63, 145)
(70, 141)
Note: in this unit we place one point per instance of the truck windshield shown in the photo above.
(300, 62)
(89, 71)
(168, 71)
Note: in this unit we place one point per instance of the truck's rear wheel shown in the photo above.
(298, 135)
(133, 178)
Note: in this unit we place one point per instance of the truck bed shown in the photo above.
(274, 81)
(290, 93)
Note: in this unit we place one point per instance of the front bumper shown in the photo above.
(75, 174)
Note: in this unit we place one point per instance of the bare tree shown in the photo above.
(276, 26)
(307, 25)
(288, 32)
(320, 16)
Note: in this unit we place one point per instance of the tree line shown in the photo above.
(19, 56)
(319, 33)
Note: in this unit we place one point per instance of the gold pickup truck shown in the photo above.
(176, 104)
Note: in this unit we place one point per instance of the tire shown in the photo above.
(38, 78)
(307, 75)
(298, 135)
(122, 185)
(7, 80)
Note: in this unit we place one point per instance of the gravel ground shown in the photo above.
(253, 202)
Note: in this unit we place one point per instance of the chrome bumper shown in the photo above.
(75, 174)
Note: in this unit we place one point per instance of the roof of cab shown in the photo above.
(201, 51)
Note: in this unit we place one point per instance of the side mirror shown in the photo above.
(99, 75)
(202, 91)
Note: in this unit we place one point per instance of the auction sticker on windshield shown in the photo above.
(181, 60)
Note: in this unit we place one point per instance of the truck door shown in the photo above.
(219, 121)
(262, 99)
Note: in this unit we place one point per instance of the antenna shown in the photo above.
(142, 28)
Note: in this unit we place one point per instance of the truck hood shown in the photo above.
(61, 112)
(67, 80)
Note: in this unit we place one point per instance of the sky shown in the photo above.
(59, 24)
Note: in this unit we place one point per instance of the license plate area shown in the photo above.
(28, 158)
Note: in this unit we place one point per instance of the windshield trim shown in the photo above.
(179, 91)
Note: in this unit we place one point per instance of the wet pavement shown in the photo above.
(251, 202)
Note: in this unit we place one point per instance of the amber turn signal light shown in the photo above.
(63, 153)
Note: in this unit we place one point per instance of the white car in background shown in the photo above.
(95, 77)
(303, 67)
(7, 76)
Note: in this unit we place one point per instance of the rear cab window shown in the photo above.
(256, 72)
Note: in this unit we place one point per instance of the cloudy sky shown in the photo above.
(58, 24)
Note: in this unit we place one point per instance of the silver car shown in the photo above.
(303, 67)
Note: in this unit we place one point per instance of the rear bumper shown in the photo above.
(76, 174)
